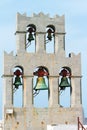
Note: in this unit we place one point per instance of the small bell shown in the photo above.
(49, 34)
(17, 82)
(64, 80)
(30, 36)
(64, 83)
(40, 85)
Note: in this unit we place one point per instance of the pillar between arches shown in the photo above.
(28, 93)
(53, 90)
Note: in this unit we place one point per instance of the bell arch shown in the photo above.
(17, 83)
(65, 87)
(50, 39)
(40, 86)
(31, 38)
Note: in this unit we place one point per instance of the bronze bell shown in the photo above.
(30, 37)
(64, 83)
(40, 85)
(49, 34)
(17, 82)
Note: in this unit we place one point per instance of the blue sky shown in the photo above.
(75, 12)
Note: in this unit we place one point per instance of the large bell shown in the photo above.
(64, 83)
(30, 37)
(17, 82)
(40, 85)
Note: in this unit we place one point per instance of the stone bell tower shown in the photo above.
(38, 71)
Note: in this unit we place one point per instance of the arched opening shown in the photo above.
(18, 86)
(65, 87)
(31, 38)
(50, 39)
(40, 86)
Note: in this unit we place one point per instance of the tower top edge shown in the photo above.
(41, 14)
